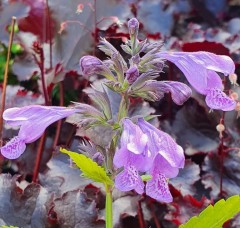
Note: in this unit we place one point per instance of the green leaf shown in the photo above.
(8, 227)
(215, 216)
(89, 168)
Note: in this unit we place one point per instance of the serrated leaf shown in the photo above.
(215, 216)
(89, 168)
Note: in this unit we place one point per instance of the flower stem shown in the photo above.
(6, 77)
(59, 123)
(221, 154)
(108, 210)
(95, 27)
(39, 157)
(140, 214)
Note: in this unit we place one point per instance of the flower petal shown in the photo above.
(16, 116)
(133, 138)
(128, 180)
(124, 157)
(214, 81)
(163, 144)
(34, 119)
(162, 166)
(14, 148)
(157, 188)
(196, 66)
(179, 91)
(216, 99)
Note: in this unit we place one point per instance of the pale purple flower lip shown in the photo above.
(33, 120)
(200, 70)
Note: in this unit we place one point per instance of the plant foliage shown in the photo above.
(215, 216)
(89, 168)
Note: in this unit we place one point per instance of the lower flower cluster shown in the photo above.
(146, 149)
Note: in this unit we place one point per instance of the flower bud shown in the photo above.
(80, 8)
(133, 26)
(89, 64)
(233, 79)
(92, 65)
(234, 96)
(220, 128)
(63, 26)
(237, 108)
(132, 74)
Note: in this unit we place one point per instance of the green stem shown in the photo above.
(123, 107)
(108, 212)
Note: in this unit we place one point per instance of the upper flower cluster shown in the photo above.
(144, 148)
(138, 80)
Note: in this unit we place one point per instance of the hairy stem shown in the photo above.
(108, 210)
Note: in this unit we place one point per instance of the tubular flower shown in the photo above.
(33, 120)
(154, 152)
(200, 70)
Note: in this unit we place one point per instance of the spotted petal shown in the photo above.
(128, 180)
(157, 188)
(216, 99)
(14, 148)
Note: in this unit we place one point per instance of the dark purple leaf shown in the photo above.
(74, 209)
(230, 174)
(186, 178)
(184, 208)
(17, 9)
(195, 129)
(61, 177)
(17, 205)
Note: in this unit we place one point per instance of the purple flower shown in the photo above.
(90, 65)
(133, 26)
(169, 157)
(200, 70)
(160, 143)
(151, 151)
(154, 90)
(33, 120)
(132, 74)
(133, 156)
